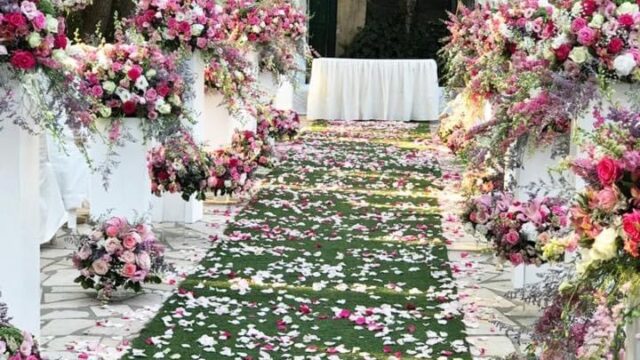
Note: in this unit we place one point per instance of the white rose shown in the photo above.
(142, 83)
(163, 108)
(605, 247)
(627, 8)
(109, 86)
(579, 55)
(577, 8)
(175, 100)
(3, 50)
(123, 94)
(105, 112)
(559, 41)
(34, 39)
(256, 29)
(596, 21)
(151, 73)
(196, 29)
(52, 24)
(624, 64)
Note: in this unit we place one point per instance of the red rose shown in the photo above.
(233, 162)
(562, 52)
(16, 19)
(60, 42)
(608, 171)
(631, 227)
(589, 7)
(615, 45)
(626, 20)
(23, 60)
(163, 90)
(129, 108)
(135, 72)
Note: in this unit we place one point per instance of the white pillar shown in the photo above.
(129, 190)
(20, 255)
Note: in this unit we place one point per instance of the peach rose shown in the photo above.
(129, 270)
(128, 257)
(100, 267)
(144, 261)
(131, 240)
(112, 245)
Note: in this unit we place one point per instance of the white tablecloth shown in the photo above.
(362, 89)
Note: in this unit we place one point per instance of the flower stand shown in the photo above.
(129, 187)
(171, 207)
(20, 256)
(632, 345)
(276, 89)
(524, 275)
(533, 168)
(218, 123)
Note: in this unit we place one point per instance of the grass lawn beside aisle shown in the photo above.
(339, 256)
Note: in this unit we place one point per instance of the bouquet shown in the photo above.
(179, 165)
(231, 74)
(252, 148)
(180, 24)
(517, 230)
(15, 344)
(229, 173)
(128, 80)
(276, 124)
(118, 254)
(31, 36)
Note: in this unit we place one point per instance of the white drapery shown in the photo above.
(362, 89)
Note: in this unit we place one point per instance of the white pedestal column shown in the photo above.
(218, 123)
(524, 275)
(129, 191)
(280, 92)
(20, 255)
(535, 169)
(171, 207)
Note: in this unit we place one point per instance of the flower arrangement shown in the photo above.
(31, 35)
(180, 24)
(264, 21)
(179, 165)
(118, 254)
(275, 123)
(601, 36)
(253, 148)
(231, 74)
(128, 80)
(517, 230)
(71, 5)
(230, 173)
(15, 344)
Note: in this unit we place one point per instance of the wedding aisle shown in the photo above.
(340, 255)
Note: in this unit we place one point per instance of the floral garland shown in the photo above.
(517, 230)
(128, 80)
(118, 254)
(180, 24)
(179, 165)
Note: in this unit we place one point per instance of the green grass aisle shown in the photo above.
(338, 257)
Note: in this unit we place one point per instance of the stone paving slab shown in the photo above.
(75, 324)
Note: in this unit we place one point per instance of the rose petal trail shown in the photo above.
(339, 256)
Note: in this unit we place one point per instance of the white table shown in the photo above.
(362, 89)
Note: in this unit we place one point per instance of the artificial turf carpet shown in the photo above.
(339, 256)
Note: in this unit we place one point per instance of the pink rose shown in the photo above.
(100, 267)
(516, 259)
(578, 24)
(135, 72)
(151, 95)
(128, 257)
(512, 237)
(587, 36)
(112, 245)
(143, 260)
(131, 240)
(39, 21)
(607, 199)
(608, 171)
(23, 60)
(129, 270)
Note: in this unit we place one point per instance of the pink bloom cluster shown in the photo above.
(118, 254)
(30, 37)
(516, 229)
(230, 173)
(231, 74)
(179, 165)
(180, 24)
(264, 22)
(254, 149)
(277, 124)
(127, 80)
(13, 347)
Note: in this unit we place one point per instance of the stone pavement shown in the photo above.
(75, 325)
(482, 282)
